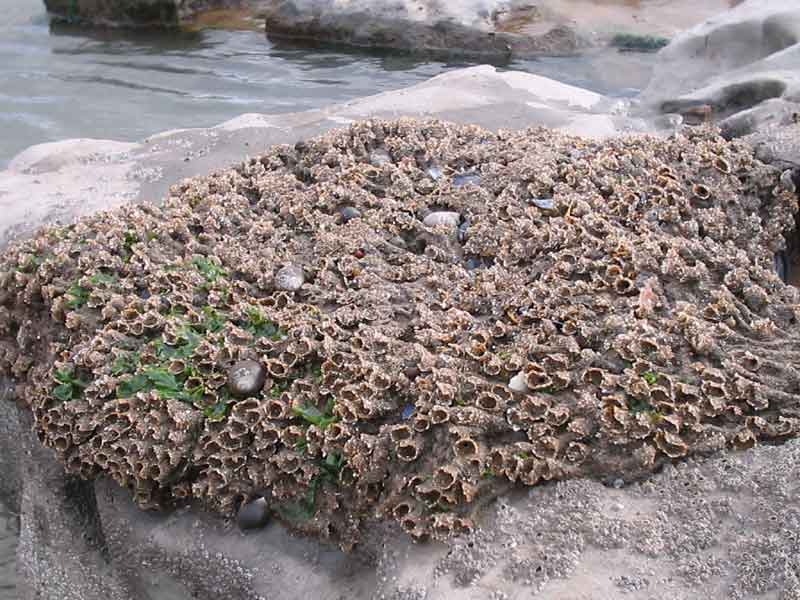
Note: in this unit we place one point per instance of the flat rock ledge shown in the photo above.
(134, 13)
(466, 28)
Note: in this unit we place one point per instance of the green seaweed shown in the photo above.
(305, 508)
(164, 383)
(69, 387)
(32, 263)
(210, 270)
(101, 279)
(637, 406)
(650, 377)
(76, 296)
(131, 238)
(213, 320)
(637, 42)
(314, 416)
(260, 326)
(126, 362)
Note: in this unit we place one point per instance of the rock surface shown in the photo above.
(462, 27)
(499, 28)
(731, 65)
(133, 13)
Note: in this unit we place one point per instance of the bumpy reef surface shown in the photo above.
(430, 313)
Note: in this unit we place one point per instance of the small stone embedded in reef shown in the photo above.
(434, 172)
(411, 372)
(781, 266)
(290, 278)
(253, 514)
(462, 231)
(543, 203)
(349, 213)
(246, 378)
(473, 263)
(463, 179)
(379, 157)
(787, 181)
(442, 217)
(517, 383)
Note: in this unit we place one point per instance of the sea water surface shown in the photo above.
(65, 82)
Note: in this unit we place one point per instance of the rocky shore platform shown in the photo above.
(663, 464)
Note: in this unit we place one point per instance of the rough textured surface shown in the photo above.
(727, 525)
(732, 63)
(65, 180)
(463, 27)
(502, 28)
(639, 303)
(133, 13)
(692, 540)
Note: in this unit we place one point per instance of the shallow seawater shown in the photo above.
(8, 545)
(64, 82)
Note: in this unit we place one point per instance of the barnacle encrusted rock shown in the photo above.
(639, 317)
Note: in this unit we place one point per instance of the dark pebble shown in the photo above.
(349, 213)
(246, 378)
(781, 266)
(462, 231)
(543, 203)
(463, 179)
(253, 514)
(473, 263)
(411, 372)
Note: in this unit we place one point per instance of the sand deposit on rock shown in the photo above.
(600, 309)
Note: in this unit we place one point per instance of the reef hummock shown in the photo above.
(585, 309)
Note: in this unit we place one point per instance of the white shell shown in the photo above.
(290, 278)
(517, 383)
(442, 217)
(378, 158)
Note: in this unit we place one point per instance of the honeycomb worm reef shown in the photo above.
(400, 320)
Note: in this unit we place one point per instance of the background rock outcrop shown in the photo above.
(133, 13)
(741, 67)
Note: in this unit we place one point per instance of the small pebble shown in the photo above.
(379, 157)
(349, 213)
(543, 203)
(462, 231)
(411, 372)
(434, 172)
(246, 378)
(253, 515)
(517, 383)
(290, 278)
(462, 179)
(473, 263)
(442, 217)
(781, 266)
(787, 181)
